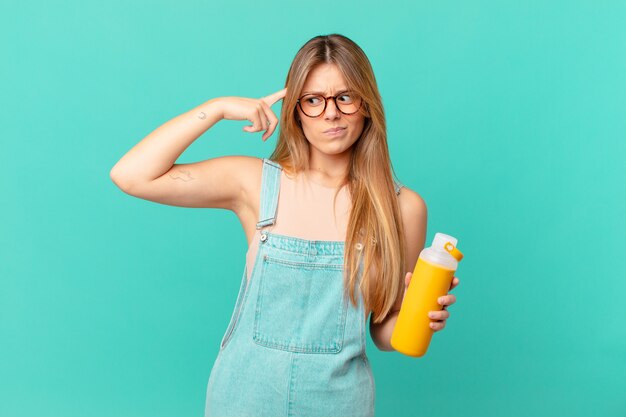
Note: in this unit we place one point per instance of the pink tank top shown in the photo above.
(305, 210)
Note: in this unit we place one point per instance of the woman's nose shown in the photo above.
(331, 110)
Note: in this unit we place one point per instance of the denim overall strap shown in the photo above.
(270, 186)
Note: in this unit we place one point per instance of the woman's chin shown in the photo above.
(333, 147)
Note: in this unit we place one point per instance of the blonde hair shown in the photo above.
(375, 220)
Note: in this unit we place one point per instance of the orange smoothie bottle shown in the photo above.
(431, 279)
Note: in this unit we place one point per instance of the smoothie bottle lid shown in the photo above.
(447, 243)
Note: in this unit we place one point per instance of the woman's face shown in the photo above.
(326, 80)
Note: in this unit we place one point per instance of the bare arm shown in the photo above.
(149, 171)
(157, 152)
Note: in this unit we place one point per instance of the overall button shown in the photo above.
(263, 237)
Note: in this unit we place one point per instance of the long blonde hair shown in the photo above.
(375, 221)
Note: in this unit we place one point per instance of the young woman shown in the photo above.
(331, 235)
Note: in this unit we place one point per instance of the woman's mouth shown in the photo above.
(335, 131)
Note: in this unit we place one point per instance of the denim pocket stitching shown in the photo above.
(302, 265)
(334, 346)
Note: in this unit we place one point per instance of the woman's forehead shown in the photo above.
(324, 79)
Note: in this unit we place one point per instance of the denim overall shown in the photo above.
(295, 346)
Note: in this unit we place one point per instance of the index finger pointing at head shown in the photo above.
(273, 98)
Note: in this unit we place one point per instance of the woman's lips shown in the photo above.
(335, 130)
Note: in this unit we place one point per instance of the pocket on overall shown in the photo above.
(300, 306)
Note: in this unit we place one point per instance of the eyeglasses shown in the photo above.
(313, 105)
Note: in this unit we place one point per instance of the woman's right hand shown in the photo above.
(257, 111)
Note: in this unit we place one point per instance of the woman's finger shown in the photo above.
(260, 120)
(271, 128)
(274, 97)
(265, 134)
(437, 325)
(455, 282)
(257, 121)
(447, 300)
(407, 279)
(253, 117)
(272, 121)
(439, 315)
(265, 124)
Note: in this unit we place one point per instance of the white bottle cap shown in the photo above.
(441, 239)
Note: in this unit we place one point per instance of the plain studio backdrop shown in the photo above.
(507, 117)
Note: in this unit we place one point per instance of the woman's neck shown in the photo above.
(330, 170)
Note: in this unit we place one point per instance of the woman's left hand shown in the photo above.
(439, 316)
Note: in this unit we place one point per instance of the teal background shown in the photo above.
(507, 117)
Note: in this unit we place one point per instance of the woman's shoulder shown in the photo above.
(242, 161)
(247, 161)
(253, 164)
(412, 204)
(414, 220)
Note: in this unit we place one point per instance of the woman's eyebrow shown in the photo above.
(322, 92)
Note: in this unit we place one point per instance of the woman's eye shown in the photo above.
(345, 98)
(313, 100)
